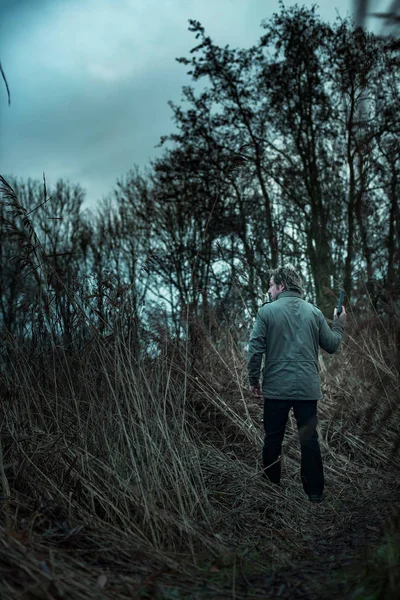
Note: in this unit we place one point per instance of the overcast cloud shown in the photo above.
(90, 79)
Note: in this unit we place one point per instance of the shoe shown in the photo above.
(315, 497)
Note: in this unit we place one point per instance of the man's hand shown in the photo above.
(342, 317)
(255, 390)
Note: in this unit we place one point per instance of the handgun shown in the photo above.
(339, 306)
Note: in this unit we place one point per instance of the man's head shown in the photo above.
(284, 279)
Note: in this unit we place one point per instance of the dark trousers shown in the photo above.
(275, 418)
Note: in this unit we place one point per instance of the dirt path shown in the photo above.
(320, 570)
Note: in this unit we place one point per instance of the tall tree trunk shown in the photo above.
(394, 228)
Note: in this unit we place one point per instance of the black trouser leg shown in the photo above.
(275, 418)
(312, 473)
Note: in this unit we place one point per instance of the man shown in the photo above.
(289, 331)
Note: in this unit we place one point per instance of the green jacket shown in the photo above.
(289, 332)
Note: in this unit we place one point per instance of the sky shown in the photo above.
(90, 80)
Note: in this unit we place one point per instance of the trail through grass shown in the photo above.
(135, 479)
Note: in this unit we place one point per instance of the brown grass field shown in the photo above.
(141, 479)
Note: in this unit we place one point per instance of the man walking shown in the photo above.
(289, 331)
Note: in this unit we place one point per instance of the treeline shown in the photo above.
(287, 151)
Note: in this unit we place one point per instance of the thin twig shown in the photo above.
(7, 88)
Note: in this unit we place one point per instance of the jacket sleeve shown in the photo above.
(329, 339)
(257, 347)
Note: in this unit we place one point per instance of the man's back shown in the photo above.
(289, 332)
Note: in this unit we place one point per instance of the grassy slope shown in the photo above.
(142, 480)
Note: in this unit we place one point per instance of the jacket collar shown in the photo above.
(289, 294)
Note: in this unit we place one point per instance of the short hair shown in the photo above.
(289, 276)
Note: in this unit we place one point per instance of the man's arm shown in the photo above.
(329, 339)
(257, 347)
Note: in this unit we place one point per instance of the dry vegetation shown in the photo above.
(142, 479)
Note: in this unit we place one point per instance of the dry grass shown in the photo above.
(127, 478)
